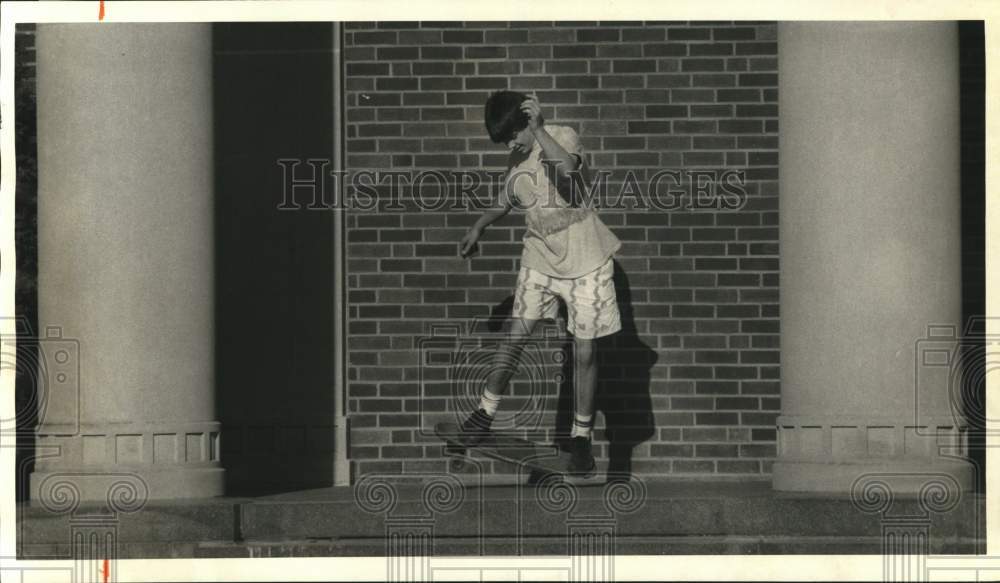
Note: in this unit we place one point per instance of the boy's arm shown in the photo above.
(491, 216)
(563, 157)
(488, 218)
(572, 178)
(562, 161)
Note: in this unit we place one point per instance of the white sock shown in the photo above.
(582, 424)
(489, 402)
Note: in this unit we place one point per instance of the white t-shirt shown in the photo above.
(561, 241)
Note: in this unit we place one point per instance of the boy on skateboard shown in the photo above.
(567, 254)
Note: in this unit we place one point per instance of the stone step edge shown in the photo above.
(544, 546)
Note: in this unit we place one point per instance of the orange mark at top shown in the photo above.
(100, 14)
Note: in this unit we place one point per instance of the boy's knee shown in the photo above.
(517, 338)
(519, 329)
(584, 351)
(515, 344)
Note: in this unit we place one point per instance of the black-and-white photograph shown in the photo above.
(538, 295)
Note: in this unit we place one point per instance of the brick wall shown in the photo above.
(692, 385)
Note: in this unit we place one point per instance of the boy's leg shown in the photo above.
(508, 356)
(585, 375)
(533, 300)
(593, 312)
(503, 366)
(582, 462)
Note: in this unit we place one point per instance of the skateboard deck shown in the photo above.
(542, 460)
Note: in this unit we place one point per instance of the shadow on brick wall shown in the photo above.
(623, 385)
(625, 363)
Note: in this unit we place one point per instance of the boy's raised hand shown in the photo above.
(531, 107)
(469, 242)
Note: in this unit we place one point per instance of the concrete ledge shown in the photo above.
(42, 534)
(671, 518)
(683, 545)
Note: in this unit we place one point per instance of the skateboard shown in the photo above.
(542, 461)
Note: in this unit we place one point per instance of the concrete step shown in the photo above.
(655, 517)
(526, 546)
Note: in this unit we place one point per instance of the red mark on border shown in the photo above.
(100, 14)
(106, 570)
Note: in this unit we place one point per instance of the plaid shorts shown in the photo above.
(590, 300)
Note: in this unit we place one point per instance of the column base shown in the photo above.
(899, 476)
(122, 489)
(127, 462)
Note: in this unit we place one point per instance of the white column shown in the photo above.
(126, 259)
(870, 254)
